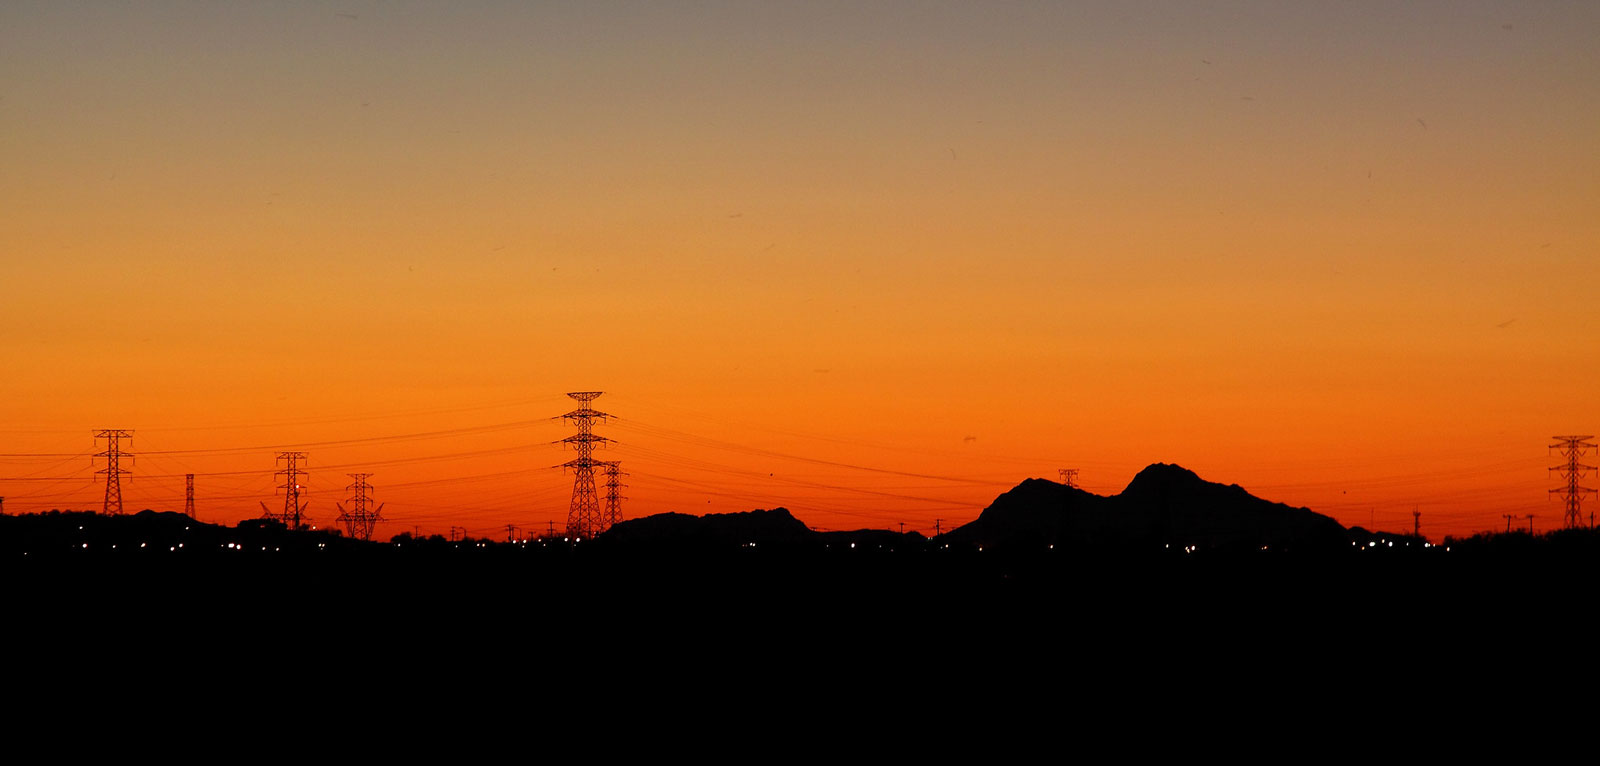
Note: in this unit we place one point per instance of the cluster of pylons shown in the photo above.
(586, 518)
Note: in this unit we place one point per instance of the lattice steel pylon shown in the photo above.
(188, 495)
(113, 470)
(613, 512)
(1069, 477)
(584, 518)
(1573, 448)
(359, 520)
(293, 512)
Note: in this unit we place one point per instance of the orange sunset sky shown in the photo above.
(873, 262)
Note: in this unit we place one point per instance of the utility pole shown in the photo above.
(1069, 477)
(1416, 523)
(188, 495)
(937, 530)
(359, 520)
(1530, 524)
(293, 509)
(113, 470)
(1573, 448)
(511, 533)
(1509, 517)
(453, 537)
(584, 519)
(613, 512)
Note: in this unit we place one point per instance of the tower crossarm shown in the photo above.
(585, 413)
(586, 439)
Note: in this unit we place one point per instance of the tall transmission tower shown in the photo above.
(584, 518)
(1573, 448)
(359, 520)
(1069, 477)
(293, 509)
(188, 495)
(613, 510)
(113, 470)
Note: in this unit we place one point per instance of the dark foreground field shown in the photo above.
(1151, 649)
(557, 604)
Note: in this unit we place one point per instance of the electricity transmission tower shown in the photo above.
(292, 507)
(613, 511)
(188, 495)
(1573, 448)
(1069, 477)
(113, 471)
(584, 518)
(359, 520)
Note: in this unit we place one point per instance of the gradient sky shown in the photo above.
(875, 262)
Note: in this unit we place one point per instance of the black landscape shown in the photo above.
(1175, 586)
(1170, 541)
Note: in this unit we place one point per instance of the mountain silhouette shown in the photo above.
(776, 526)
(1165, 505)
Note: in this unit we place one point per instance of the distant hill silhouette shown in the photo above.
(147, 533)
(775, 527)
(1164, 505)
(713, 529)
